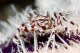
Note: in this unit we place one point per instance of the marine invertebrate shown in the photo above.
(35, 31)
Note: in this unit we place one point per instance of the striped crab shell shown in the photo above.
(47, 24)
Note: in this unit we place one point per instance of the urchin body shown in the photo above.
(40, 25)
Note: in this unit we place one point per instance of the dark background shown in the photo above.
(5, 9)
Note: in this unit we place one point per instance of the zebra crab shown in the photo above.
(45, 26)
